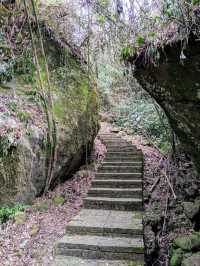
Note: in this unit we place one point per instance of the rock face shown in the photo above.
(23, 128)
(175, 85)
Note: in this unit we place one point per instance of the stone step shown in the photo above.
(114, 144)
(74, 261)
(126, 176)
(121, 149)
(106, 223)
(108, 135)
(100, 247)
(122, 153)
(122, 163)
(109, 230)
(120, 204)
(117, 143)
(124, 158)
(111, 138)
(120, 169)
(117, 183)
(115, 192)
(115, 140)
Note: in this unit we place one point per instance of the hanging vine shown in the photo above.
(46, 100)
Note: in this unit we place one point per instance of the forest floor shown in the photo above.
(30, 241)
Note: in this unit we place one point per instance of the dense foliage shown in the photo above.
(143, 117)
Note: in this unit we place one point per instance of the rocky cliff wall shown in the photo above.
(175, 84)
(23, 125)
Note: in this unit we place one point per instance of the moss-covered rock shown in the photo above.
(58, 200)
(176, 86)
(33, 230)
(20, 217)
(24, 155)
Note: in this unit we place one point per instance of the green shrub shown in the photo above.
(128, 51)
(7, 213)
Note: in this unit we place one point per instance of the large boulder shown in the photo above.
(175, 84)
(23, 127)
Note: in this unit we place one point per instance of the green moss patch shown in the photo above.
(58, 200)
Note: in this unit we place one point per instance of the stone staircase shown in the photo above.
(108, 231)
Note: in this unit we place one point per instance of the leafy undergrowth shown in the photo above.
(29, 237)
(167, 185)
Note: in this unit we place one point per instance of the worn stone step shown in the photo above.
(116, 140)
(115, 192)
(110, 138)
(120, 204)
(120, 145)
(106, 223)
(122, 154)
(126, 176)
(113, 140)
(122, 163)
(117, 183)
(108, 135)
(120, 169)
(74, 261)
(114, 144)
(123, 158)
(100, 247)
(121, 149)
(108, 231)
